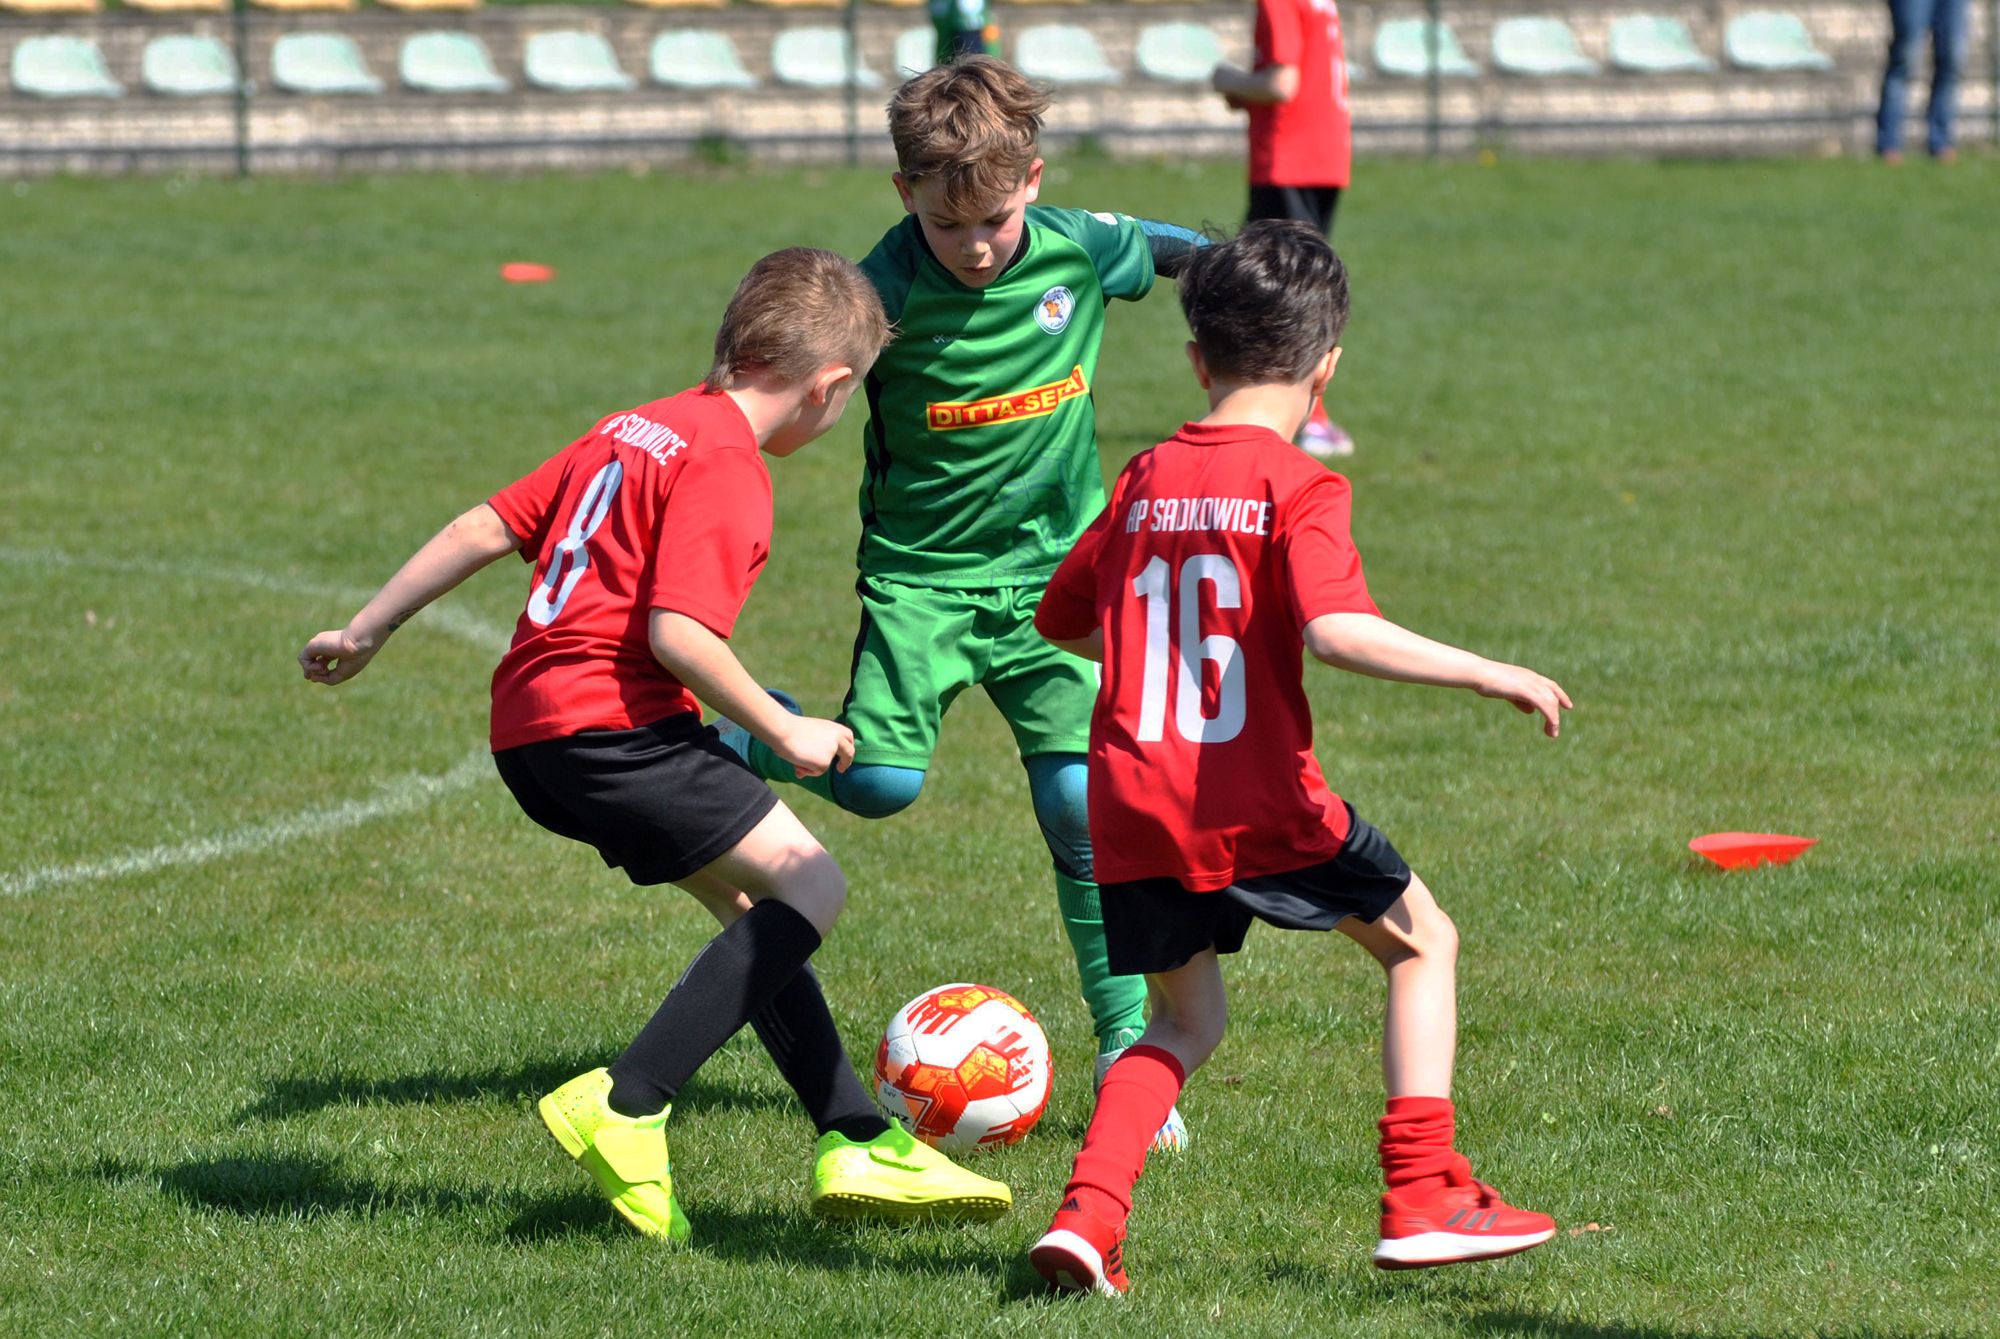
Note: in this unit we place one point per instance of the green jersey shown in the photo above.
(981, 442)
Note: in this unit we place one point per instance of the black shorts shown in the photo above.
(1156, 925)
(660, 801)
(1307, 204)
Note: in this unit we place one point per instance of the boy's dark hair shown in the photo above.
(971, 125)
(1266, 305)
(798, 310)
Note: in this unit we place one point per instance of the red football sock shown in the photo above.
(1132, 1103)
(1417, 1154)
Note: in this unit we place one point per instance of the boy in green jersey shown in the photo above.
(981, 471)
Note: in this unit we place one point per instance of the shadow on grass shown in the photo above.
(1515, 1323)
(784, 1236)
(288, 1097)
(269, 1186)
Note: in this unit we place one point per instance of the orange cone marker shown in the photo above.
(1746, 850)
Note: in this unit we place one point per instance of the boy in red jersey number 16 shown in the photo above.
(1222, 555)
(646, 535)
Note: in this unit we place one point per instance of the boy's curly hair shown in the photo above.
(971, 125)
(798, 310)
(1266, 305)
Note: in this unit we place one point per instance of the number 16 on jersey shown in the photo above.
(1156, 584)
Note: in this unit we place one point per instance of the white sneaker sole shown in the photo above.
(1070, 1264)
(1427, 1249)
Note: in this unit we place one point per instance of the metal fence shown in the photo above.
(1723, 111)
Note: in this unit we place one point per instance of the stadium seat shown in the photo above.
(573, 61)
(186, 66)
(321, 64)
(39, 8)
(1538, 47)
(698, 59)
(916, 51)
(1765, 39)
(445, 62)
(62, 67)
(1178, 53)
(1062, 53)
(1402, 48)
(817, 58)
(1652, 44)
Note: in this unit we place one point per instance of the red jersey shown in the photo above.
(1218, 546)
(1307, 141)
(667, 506)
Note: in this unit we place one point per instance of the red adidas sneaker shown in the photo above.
(1082, 1253)
(1460, 1223)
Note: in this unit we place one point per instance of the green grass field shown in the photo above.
(282, 970)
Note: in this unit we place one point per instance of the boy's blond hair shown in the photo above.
(971, 126)
(798, 310)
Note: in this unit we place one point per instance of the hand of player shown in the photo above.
(1530, 693)
(335, 657)
(812, 745)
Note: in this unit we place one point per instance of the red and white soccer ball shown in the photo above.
(963, 1067)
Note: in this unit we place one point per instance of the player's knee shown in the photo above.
(1057, 786)
(1431, 934)
(877, 791)
(814, 886)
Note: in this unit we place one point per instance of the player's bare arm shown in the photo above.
(1266, 87)
(469, 543)
(692, 653)
(1085, 648)
(1371, 645)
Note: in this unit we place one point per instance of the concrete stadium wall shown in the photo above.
(1724, 112)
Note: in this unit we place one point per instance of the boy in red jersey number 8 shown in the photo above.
(1222, 555)
(646, 535)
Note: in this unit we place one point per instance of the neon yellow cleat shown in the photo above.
(894, 1176)
(625, 1155)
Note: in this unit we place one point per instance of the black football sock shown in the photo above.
(734, 977)
(798, 1031)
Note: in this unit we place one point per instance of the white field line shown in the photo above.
(403, 795)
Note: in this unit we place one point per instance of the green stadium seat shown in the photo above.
(1062, 53)
(448, 62)
(187, 66)
(817, 58)
(321, 64)
(1539, 47)
(916, 51)
(1178, 53)
(698, 59)
(62, 67)
(571, 60)
(1653, 44)
(1403, 49)
(1765, 39)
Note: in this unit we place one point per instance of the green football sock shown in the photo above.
(1117, 1003)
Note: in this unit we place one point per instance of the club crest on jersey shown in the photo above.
(1052, 313)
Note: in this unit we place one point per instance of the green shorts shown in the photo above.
(921, 646)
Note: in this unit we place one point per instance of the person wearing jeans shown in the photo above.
(1910, 20)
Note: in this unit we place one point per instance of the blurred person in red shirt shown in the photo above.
(1301, 138)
